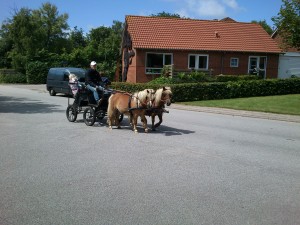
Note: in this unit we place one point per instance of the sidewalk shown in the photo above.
(232, 112)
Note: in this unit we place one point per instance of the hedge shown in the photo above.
(221, 90)
(11, 76)
(36, 72)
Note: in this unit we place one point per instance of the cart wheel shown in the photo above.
(100, 115)
(89, 116)
(71, 113)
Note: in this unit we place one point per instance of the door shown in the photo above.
(257, 65)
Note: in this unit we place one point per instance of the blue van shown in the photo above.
(58, 79)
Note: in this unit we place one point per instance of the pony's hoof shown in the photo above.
(146, 130)
(110, 127)
(136, 131)
(119, 127)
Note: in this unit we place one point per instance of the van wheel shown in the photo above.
(52, 92)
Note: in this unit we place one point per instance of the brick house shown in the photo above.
(214, 46)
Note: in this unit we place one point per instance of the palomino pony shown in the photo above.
(133, 105)
(161, 97)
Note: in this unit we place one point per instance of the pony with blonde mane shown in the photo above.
(132, 105)
(162, 97)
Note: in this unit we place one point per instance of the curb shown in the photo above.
(234, 112)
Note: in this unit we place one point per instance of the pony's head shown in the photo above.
(151, 95)
(163, 96)
(145, 97)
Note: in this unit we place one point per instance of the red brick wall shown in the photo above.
(218, 61)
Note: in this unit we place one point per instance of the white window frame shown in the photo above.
(258, 62)
(197, 61)
(233, 64)
(152, 70)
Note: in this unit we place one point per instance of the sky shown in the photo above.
(95, 13)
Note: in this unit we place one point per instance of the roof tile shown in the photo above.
(208, 35)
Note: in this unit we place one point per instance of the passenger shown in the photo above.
(93, 81)
(73, 82)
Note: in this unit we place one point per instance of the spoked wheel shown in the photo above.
(89, 116)
(100, 114)
(71, 113)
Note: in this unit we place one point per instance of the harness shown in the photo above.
(139, 105)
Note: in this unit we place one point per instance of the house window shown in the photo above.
(257, 65)
(234, 62)
(156, 61)
(198, 62)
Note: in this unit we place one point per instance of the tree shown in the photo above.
(288, 22)
(21, 31)
(264, 25)
(77, 38)
(6, 44)
(52, 26)
(29, 32)
(166, 14)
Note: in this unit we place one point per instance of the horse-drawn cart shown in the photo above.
(85, 103)
(115, 104)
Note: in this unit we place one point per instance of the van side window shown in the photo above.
(66, 76)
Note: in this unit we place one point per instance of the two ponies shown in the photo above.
(132, 105)
(161, 97)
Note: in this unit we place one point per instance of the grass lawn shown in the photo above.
(281, 104)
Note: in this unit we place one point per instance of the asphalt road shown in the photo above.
(198, 168)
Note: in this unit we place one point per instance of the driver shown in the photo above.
(93, 81)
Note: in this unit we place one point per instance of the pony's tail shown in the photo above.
(110, 106)
(110, 111)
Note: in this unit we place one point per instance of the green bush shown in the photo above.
(12, 79)
(199, 76)
(220, 90)
(11, 76)
(36, 72)
(163, 80)
(226, 78)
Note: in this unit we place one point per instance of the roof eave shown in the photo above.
(210, 50)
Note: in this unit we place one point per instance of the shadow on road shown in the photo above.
(9, 104)
(171, 131)
(167, 131)
(163, 129)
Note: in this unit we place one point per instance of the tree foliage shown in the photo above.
(31, 38)
(288, 22)
(51, 26)
(264, 25)
(166, 14)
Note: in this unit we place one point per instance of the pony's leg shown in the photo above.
(153, 120)
(134, 122)
(144, 120)
(160, 120)
(109, 118)
(117, 122)
(130, 119)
